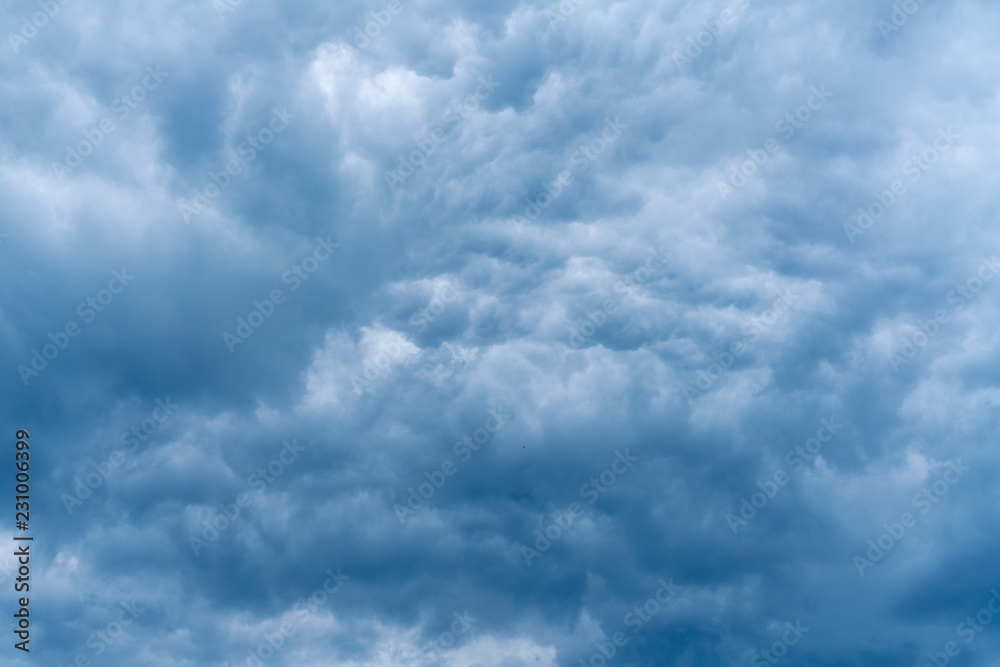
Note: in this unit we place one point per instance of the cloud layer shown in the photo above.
(505, 334)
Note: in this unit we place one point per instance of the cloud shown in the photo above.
(685, 231)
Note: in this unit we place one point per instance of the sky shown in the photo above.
(509, 334)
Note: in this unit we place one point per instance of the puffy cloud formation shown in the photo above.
(503, 334)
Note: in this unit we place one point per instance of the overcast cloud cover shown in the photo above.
(664, 330)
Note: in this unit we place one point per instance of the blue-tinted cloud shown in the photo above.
(409, 333)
